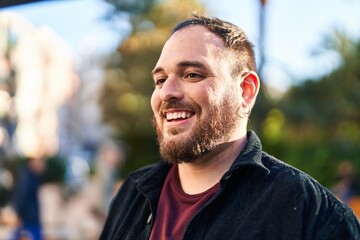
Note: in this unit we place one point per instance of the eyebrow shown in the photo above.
(156, 70)
(182, 64)
(196, 64)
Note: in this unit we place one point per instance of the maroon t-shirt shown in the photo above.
(176, 208)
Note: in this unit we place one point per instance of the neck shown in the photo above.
(204, 173)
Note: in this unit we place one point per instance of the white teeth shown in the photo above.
(177, 115)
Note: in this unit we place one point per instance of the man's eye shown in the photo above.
(193, 76)
(159, 81)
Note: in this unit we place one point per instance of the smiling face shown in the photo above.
(195, 98)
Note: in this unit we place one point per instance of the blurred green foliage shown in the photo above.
(314, 126)
(54, 169)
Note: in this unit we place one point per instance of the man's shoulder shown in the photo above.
(292, 180)
(319, 204)
(302, 186)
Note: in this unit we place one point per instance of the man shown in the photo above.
(215, 182)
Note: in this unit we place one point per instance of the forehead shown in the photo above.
(191, 43)
(197, 32)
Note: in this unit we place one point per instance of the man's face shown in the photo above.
(195, 99)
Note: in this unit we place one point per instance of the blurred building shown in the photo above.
(45, 109)
(37, 77)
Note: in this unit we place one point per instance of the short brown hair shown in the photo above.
(234, 39)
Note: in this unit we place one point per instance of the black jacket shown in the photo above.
(260, 198)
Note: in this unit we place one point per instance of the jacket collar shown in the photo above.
(152, 177)
(250, 155)
(149, 181)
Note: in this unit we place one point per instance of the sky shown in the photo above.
(293, 30)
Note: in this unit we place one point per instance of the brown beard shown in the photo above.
(207, 134)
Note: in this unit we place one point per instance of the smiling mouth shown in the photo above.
(173, 116)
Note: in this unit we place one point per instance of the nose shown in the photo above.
(171, 89)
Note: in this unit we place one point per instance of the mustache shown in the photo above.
(174, 104)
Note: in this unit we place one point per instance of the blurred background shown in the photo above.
(75, 86)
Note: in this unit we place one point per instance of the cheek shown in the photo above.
(212, 96)
(155, 101)
(155, 106)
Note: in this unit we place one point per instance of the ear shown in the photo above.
(250, 88)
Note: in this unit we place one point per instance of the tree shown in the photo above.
(321, 117)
